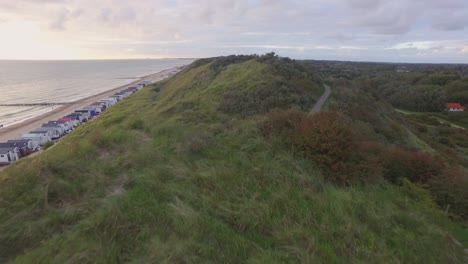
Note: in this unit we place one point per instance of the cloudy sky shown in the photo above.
(364, 30)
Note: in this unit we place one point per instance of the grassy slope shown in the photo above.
(165, 177)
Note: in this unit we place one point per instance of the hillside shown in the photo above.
(215, 165)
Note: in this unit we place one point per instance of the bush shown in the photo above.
(324, 137)
(48, 145)
(137, 124)
(450, 191)
(327, 139)
(415, 166)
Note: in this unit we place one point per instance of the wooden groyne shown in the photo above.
(35, 104)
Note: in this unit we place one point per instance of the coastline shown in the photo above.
(16, 130)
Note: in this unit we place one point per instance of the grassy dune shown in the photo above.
(170, 175)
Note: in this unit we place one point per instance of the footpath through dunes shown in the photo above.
(16, 130)
(321, 101)
(181, 172)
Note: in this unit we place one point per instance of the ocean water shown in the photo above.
(66, 81)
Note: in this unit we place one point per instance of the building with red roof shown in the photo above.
(455, 107)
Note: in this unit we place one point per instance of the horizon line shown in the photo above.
(197, 58)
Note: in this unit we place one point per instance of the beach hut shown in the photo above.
(81, 117)
(72, 121)
(85, 112)
(101, 106)
(146, 83)
(22, 147)
(4, 156)
(122, 94)
(26, 146)
(60, 127)
(38, 139)
(67, 125)
(76, 117)
(111, 100)
(95, 110)
(8, 155)
(52, 132)
(105, 103)
(117, 97)
(14, 150)
(132, 89)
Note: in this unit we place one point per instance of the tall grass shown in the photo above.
(149, 182)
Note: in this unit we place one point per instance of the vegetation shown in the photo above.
(178, 173)
(48, 145)
(414, 87)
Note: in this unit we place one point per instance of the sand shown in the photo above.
(16, 130)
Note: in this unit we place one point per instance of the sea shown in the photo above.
(28, 82)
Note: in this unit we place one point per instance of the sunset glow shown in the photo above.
(323, 29)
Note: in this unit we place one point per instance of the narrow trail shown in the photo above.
(321, 101)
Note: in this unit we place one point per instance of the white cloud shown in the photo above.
(419, 45)
(335, 29)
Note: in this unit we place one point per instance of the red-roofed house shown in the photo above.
(455, 107)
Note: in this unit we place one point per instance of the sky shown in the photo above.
(357, 30)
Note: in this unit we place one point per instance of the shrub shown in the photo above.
(413, 165)
(327, 139)
(324, 137)
(282, 122)
(48, 145)
(137, 124)
(450, 191)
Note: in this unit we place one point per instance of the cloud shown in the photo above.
(451, 22)
(418, 45)
(105, 14)
(61, 17)
(365, 4)
(348, 29)
(127, 14)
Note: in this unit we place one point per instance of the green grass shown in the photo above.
(460, 231)
(48, 145)
(163, 177)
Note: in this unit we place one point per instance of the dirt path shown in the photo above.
(321, 101)
(15, 131)
(442, 121)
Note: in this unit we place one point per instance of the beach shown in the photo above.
(16, 130)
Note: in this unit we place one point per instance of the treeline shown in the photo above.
(414, 87)
(419, 98)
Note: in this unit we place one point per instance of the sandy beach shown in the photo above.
(15, 131)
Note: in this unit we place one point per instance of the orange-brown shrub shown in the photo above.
(282, 123)
(413, 165)
(451, 191)
(327, 139)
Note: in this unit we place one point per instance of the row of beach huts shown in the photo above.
(15, 149)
